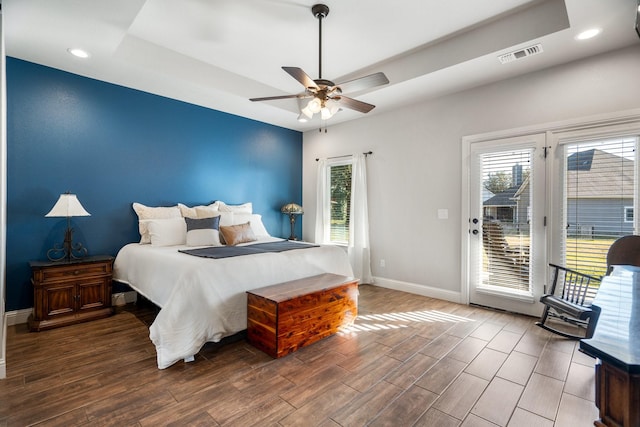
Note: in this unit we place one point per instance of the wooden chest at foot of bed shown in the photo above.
(285, 317)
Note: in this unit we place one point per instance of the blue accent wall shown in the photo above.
(112, 146)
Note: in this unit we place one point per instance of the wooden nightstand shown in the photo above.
(68, 292)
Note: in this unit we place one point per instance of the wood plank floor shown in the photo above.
(408, 361)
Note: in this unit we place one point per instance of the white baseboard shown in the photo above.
(3, 342)
(414, 288)
(17, 317)
(123, 298)
(3, 348)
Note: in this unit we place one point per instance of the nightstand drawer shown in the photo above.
(66, 272)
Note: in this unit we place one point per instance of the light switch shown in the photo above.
(443, 213)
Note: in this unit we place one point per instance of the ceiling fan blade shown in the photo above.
(354, 104)
(366, 82)
(301, 76)
(271, 98)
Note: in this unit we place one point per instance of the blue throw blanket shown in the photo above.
(258, 248)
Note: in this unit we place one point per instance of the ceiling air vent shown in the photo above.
(519, 54)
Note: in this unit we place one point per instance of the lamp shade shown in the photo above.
(314, 105)
(292, 209)
(67, 205)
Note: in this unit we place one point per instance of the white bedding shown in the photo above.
(204, 299)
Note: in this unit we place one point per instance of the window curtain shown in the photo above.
(322, 212)
(359, 250)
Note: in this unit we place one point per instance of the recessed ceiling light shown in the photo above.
(78, 52)
(585, 35)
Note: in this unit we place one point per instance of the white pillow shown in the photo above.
(167, 232)
(188, 212)
(226, 218)
(146, 213)
(255, 221)
(243, 208)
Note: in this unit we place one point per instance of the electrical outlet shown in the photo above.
(383, 264)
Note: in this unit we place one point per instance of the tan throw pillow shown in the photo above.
(236, 234)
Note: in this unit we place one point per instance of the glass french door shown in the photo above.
(597, 197)
(560, 197)
(507, 209)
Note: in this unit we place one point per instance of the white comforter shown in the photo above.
(204, 299)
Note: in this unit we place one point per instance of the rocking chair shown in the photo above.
(572, 303)
(569, 300)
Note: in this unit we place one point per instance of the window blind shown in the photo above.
(599, 200)
(506, 208)
(340, 203)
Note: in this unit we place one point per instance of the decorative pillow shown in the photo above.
(203, 231)
(236, 234)
(146, 213)
(188, 212)
(167, 232)
(255, 220)
(243, 208)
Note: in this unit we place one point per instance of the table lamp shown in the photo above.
(67, 205)
(292, 210)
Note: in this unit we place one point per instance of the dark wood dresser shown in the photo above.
(68, 292)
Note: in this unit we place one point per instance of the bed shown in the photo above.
(203, 299)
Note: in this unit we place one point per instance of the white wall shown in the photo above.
(415, 168)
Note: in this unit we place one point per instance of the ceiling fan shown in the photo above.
(326, 96)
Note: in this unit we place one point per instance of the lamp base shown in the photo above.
(68, 250)
(292, 219)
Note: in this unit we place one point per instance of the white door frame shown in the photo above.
(551, 129)
(498, 297)
(3, 202)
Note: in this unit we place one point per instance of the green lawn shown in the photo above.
(588, 255)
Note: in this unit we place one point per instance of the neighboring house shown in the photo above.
(502, 206)
(507, 206)
(599, 194)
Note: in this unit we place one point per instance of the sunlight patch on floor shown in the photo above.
(376, 322)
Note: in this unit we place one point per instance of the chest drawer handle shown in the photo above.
(76, 272)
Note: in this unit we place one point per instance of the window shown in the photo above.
(628, 214)
(341, 209)
(339, 199)
(599, 196)
(506, 233)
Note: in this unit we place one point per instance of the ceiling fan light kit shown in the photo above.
(326, 96)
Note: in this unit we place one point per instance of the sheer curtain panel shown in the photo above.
(342, 211)
(322, 208)
(359, 250)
